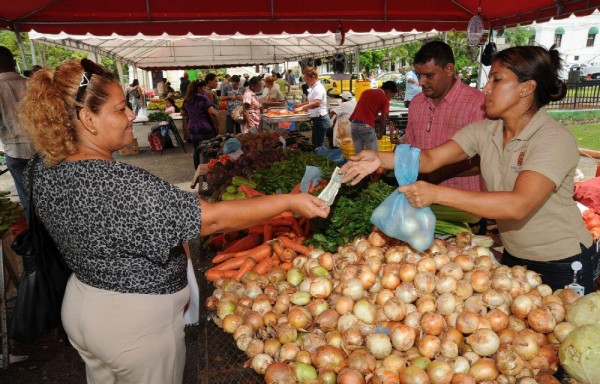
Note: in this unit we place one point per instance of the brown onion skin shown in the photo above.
(413, 375)
(462, 378)
(350, 376)
(328, 357)
(279, 373)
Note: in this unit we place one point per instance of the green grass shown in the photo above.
(587, 135)
(576, 117)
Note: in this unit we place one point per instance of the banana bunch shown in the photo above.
(10, 211)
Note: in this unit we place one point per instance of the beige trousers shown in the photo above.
(126, 338)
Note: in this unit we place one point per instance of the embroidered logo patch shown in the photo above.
(521, 157)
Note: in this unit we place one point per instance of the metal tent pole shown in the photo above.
(21, 47)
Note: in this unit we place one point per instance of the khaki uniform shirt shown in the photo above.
(555, 230)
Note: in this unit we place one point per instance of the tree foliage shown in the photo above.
(518, 36)
(52, 55)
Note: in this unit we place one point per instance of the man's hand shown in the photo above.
(360, 166)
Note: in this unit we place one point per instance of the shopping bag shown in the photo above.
(45, 275)
(142, 112)
(191, 315)
(395, 216)
(238, 115)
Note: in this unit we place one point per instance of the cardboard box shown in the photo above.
(130, 149)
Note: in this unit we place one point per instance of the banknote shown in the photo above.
(331, 190)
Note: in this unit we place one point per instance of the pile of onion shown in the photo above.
(377, 311)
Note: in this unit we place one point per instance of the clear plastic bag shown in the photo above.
(395, 216)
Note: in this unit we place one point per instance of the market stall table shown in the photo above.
(141, 123)
(274, 121)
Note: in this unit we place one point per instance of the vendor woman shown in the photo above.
(528, 162)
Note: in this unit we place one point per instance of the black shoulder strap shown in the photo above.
(32, 165)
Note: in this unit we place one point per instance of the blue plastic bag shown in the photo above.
(395, 216)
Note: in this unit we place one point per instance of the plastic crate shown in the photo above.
(385, 145)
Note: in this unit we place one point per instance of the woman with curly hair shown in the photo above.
(119, 228)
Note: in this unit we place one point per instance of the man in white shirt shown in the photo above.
(161, 88)
(316, 105)
(18, 149)
(341, 114)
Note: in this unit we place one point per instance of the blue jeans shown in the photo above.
(16, 167)
(319, 128)
(363, 137)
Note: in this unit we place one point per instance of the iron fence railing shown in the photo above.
(584, 94)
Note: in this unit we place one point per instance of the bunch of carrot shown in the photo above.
(285, 224)
(261, 258)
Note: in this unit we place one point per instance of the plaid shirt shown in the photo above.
(430, 125)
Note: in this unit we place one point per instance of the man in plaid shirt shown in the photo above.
(443, 107)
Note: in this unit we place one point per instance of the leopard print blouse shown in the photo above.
(116, 224)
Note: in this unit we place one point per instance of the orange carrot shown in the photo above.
(291, 235)
(275, 260)
(263, 266)
(259, 229)
(306, 229)
(254, 252)
(244, 243)
(283, 215)
(246, 266)
(249, 191)
(221, 257)
(214, 275)
(281, 229)
(287, 266)
(277, 247)
(296, 227)
(233, 263)
(215, 242)
(302, 221)
(281, 222)
(267, 233)
(291, 244)
(296, 188)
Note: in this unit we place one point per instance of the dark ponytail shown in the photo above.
(538, 64)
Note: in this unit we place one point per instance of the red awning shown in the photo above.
(179, 17)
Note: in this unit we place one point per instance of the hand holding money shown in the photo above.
(331, 190)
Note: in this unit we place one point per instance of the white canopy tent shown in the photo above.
(193, 51)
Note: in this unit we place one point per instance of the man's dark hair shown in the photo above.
(390, 86)
(7, 60)
(209, 77)
(235, 79)
(438, 51)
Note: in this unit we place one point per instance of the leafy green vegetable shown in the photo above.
(350, 215)
(159, 116)
(579, 354)
(284, 175)
(586, 310)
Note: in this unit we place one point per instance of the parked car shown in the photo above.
(327, 82)
(396, 77)
(338, 86)
(590, 73)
